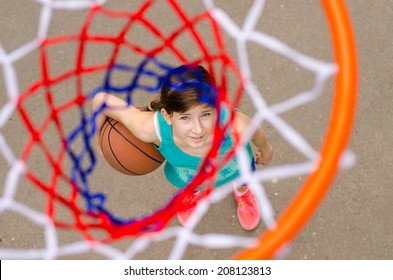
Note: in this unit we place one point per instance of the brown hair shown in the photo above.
(184, 88)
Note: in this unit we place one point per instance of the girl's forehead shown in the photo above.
(198, 108)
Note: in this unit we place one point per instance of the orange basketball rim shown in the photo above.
(337, 135)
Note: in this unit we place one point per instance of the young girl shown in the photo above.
(181, 123)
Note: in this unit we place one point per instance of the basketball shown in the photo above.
(126, 153)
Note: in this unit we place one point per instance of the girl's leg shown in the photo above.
(247, 209)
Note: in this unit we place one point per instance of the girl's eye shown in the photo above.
(206, 114)
(184, 118)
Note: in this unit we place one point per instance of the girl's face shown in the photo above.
(194, 127)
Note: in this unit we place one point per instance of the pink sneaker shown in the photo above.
(247, 209)
(191, 200)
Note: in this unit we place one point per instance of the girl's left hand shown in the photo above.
(262, 158)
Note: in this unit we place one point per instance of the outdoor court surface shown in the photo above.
(353, 222)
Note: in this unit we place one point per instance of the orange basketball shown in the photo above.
(125, 152)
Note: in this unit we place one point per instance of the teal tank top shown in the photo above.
(180, 167)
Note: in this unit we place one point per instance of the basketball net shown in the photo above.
(72, 160)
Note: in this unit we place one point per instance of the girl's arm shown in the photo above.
(264, 153)
(140, 123)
